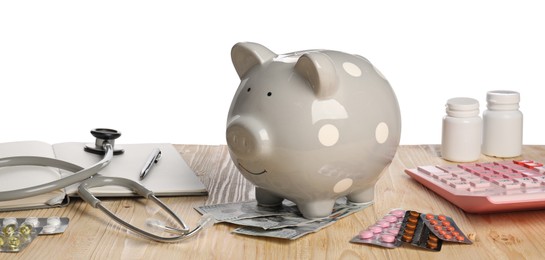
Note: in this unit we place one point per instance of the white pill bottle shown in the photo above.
(502, 129)
(462, 130)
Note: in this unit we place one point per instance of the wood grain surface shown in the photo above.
(92, 235)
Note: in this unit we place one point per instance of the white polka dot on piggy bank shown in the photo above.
(311, 126)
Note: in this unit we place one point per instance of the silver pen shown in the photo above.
(152, 160)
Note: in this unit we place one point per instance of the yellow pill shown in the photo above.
(14, 241)
(25, 229)
(9, 229)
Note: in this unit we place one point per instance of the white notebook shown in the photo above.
(170, 176)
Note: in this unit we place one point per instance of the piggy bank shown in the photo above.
(311, 126)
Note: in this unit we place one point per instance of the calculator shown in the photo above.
(487, 187)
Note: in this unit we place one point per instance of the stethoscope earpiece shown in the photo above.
(103, 135)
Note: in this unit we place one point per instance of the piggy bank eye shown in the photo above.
(248, 90)
(269, 94)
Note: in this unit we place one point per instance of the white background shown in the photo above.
(160, 71)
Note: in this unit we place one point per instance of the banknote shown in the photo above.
(301, 229)
(244, 210)
(284, 222)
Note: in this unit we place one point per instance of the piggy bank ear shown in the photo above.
(246, 55)
(318, 69)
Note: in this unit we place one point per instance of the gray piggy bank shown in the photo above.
(311, 126)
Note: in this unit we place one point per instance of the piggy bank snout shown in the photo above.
(246, 138)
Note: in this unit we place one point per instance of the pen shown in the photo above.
(152, 159)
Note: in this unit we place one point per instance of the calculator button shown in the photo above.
(487, 187)
(540, 179)
(451, 168)
(459, 185)
(480, 183)
(429, 170)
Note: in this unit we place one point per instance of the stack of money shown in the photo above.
(284, 222)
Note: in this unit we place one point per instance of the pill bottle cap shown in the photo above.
(462, 107)
(502, 100)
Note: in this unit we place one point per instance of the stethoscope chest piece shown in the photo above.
(103, 135)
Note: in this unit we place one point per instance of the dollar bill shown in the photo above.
(244, 210)
(301, 229)
(284, 222)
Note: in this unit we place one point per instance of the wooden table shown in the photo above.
(91, 234)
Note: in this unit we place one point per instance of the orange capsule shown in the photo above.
(441, 217)
(445, 223)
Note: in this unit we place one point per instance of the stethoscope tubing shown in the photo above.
(80, 173)
(85, 176)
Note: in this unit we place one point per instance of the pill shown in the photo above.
(9, 221)
(460, 238)
(49, 229)
(25, 228)
(398, 213)
(393, 231)
(407, 238)
(411, 226)
(383, 223)
(375, 229)
(9, 229)
(32, 221)
(387, 238)
(390, 218)
(451, 228)
(54, 221)
(409, 232)
(432, 244)
(366, 234)
(441, 217)
(414, 214)
(412, 220)
(14, 241)
(445, 223)
(429, 216)
(447, 236)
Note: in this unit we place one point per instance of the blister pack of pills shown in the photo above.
(426, 231)
(415, 232)
(384, 231)
(18, 233)
(445, 228)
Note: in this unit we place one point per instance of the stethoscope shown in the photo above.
(104, 145)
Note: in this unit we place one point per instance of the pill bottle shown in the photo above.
(502, 124)
(462, 130)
